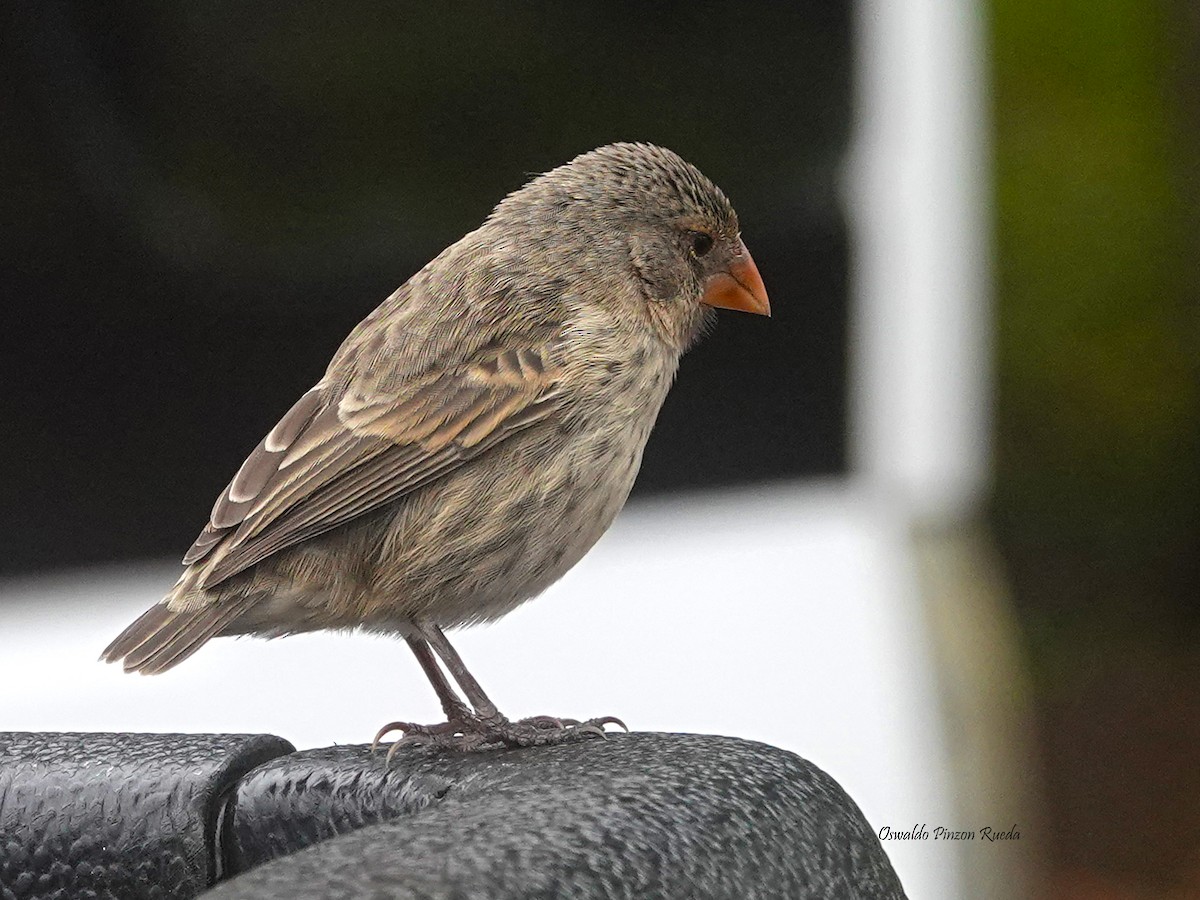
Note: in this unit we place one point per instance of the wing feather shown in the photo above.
(346, 449)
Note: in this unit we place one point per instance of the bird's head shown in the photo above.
(644, 213)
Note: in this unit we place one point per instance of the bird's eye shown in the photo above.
(701, 243)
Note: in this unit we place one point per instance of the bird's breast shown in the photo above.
(503, 528)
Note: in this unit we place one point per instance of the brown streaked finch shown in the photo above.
(473, 436)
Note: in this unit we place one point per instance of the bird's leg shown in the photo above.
(481, 725)
(452, 706)
(485, 726)
(484, 708)
(457, 712)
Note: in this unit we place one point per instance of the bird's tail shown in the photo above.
(162, 637)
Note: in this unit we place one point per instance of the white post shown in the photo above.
(916, 192)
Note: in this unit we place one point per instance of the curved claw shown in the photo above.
(409, 740)
(405, 727)
(589, 728)
(608, 720)
(411, 731)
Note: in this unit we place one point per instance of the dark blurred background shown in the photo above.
(200, 200)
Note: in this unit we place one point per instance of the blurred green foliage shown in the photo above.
(1098, 435)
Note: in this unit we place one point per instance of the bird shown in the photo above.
(473, 436)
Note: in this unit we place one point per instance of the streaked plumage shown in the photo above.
(476, 433)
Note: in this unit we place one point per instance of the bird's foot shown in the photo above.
(541, 731)
(469, 731)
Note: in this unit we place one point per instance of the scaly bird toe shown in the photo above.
(471, 733)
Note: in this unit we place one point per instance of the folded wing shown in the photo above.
(344, 450)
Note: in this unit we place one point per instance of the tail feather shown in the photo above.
(137, 633)
(155, 641)
(161, 638)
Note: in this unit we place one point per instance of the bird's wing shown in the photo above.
(349, 446)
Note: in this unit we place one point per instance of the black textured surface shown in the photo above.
(639, 815)
(116, 815)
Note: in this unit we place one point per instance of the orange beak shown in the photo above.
(739, 287)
